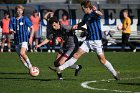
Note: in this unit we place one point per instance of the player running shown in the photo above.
(93, 41)
(19, 26)
(69, 44)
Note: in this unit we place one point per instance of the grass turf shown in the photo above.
(14, 77)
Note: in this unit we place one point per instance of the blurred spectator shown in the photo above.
(51, 44)
(64, 20)
(35, 19)
(126, 31)
(5, 31)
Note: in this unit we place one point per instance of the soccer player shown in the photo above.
(5, 31)
(69, 44)
(93, 41)
(126, 31)
(35, 19)
(19, 26)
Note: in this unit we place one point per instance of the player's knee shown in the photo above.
(22, 54)
(76, 55)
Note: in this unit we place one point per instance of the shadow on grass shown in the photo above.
(134, 84)
(30, 78)
(11, 73)
(2, 78)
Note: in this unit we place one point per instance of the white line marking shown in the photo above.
(85, 85)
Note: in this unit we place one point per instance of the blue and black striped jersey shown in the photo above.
(20, 26)
(92, 21)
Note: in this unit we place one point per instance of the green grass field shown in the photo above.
(14, 77)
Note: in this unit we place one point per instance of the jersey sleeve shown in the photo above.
(128, 21)
(10, 24)
(28, 22)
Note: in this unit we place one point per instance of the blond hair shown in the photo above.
(86, 4)
(19, 7)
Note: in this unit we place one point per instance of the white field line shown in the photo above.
(85, 85)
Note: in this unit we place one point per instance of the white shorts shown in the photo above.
(18, 47)
(93, 45)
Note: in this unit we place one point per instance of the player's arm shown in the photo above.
(43, 43)
(94, 8)
(31, 35)
(48, 14)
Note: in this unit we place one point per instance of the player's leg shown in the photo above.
(17, 48)
(106, 63)
(9, 43)
(3, 42)
(83, 48)
(23, 54)
(56, 64)
(37, 36)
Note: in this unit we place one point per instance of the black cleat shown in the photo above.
(59, 76)
(117, 77)
(77, 71)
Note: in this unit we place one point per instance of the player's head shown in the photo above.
(19, 10)
(125, 13)
(64, 16)
(35, 13)
(6, 14)
(53, 21)
(86, 6)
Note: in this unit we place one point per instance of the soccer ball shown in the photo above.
(34, 71)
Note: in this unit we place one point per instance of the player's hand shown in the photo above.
(37, 46)
(75, 27)
(30, 40)
(12, 32)
(94, 8)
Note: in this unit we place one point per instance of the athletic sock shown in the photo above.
(29, 63)
(110, 68)
(25, 64)
(74, 66)
(68, 63)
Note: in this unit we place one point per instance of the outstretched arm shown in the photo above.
(43, 43)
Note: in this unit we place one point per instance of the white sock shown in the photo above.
(28, 63)
(68, 63)
(74, 66)
(25, 64)
(110, 68)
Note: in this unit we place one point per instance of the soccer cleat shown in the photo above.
(59, 76)
(77, 71)
(31, 50)
(134, 50)
(117, 77)
(49, 51)
(53, 51)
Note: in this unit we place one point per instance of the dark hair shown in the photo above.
(64, 14)
(35, 11)
(52, 20)
(86, 4)
(6, 13)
